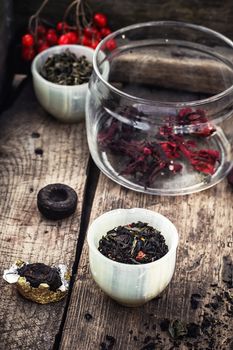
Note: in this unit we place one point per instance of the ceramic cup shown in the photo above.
(131, 285)
(66, 103)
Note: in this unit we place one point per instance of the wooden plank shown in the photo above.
(205, 226)
(26, 130)
(172, 68)
(215, 14)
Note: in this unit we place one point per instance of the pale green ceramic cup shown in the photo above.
(66, 103)
(131, 285)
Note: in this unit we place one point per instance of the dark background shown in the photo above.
(14, 16)
(215, 14)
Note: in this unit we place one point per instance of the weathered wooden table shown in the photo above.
(36, 150)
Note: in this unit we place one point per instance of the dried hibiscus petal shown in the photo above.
(197, 118)
(170, 149)
(205, 161)
(147, 151)
(175, 167)
(106, 136)
(184, 111)
(186, 150)
(144, 156)
(166, 130)
(140, 255)
(205, 131)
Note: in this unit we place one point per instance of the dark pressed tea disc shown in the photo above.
(136, 243)
(57, 201)
(38, 282)
(38, 273)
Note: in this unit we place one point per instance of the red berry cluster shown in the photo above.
(64, 34)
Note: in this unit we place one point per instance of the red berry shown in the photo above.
(97, 37)
(94, 44)
(40, 42)
(41, 30)
(90, 32)
(63, 40)
(105, 32)
(100, 20)
(28, 53)
(73, 37)
(62, 27)
(28, 40)
(51, 37)
(86, 41)
(111, 44)
(43, 47)
(52, 31)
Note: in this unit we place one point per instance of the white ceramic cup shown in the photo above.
(66, 103)
(131, 285)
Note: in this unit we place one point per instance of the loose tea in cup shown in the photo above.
(66, 68)
(136, 243)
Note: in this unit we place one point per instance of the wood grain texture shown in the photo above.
(172, 68)
(205, 226)
(215, 14)
(26, 130)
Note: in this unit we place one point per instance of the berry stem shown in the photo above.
(35, 18)
(67, 11)
(81, 17)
